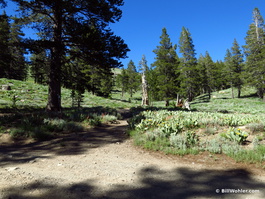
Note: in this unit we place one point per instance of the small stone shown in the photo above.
(6, 87)
(12, 168)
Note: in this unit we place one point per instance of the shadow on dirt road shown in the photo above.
(63, 144)
(153, 182)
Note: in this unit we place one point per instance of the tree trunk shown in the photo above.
(167, 102)
(209, 93)
(145, 101)
(54, 95)
(177, 101)
(239, 92)
(232, 91)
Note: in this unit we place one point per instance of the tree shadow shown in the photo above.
(187, 183)
(153, 182)
(201, 99)
(64, 144)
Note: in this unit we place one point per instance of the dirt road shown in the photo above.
(103, 163)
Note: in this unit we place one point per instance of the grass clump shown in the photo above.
(256, 127)
(251, 156)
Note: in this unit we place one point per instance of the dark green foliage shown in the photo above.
(209, 74)
(166, 69)
(133, 78)
(12, 61)
(234, 63)
(5, 55)
(188, 66)
(122, 81)
(129, 79)
(39, 64)
(18, 67)
(223, 77)
(76, 28)
(255, 53)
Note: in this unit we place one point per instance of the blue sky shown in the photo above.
(213, 24)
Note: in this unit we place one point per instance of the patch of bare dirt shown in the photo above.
(103, 163)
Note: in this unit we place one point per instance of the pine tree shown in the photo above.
(255, 53)
(236, 67)
(229, 66)
(122, 81)
(209, 73)
(18, 66)
(5, 55)
(39, 66)
(79, 23)
(133, 78)
(223, 82)
(188, 66)
(166, 66)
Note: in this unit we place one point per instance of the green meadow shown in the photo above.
(219, 125)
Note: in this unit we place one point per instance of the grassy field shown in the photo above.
(30, 95)
(220, 125)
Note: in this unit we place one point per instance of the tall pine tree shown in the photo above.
(208, 74)
(188, 65)
(255, 53)
(18, 64)
(5, 55)
(236, 67)
(79, 23)
(166, 65)
(133, 78)
(229, 72)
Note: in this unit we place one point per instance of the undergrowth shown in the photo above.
(177, 132)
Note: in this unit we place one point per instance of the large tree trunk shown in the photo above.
(54, 95)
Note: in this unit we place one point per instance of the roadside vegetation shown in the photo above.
(221, 125)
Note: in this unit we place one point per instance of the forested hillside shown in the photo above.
(80, 53)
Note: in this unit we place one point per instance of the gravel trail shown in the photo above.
(103, 163)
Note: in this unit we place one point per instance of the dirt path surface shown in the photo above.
(103, 163)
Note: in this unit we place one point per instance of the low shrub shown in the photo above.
(93, 120)
(56, 124)
(109, 118)
(237, 135)
(73, 127)
(213, 146)
(210, 131)
(18, 133)
(178, 141)
(132, 122)
(41, 134)
(256, 127)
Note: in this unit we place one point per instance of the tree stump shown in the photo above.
(6, 87)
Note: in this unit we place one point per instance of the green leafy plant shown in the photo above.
(56, 124)
(191, 139)
(237, 135)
